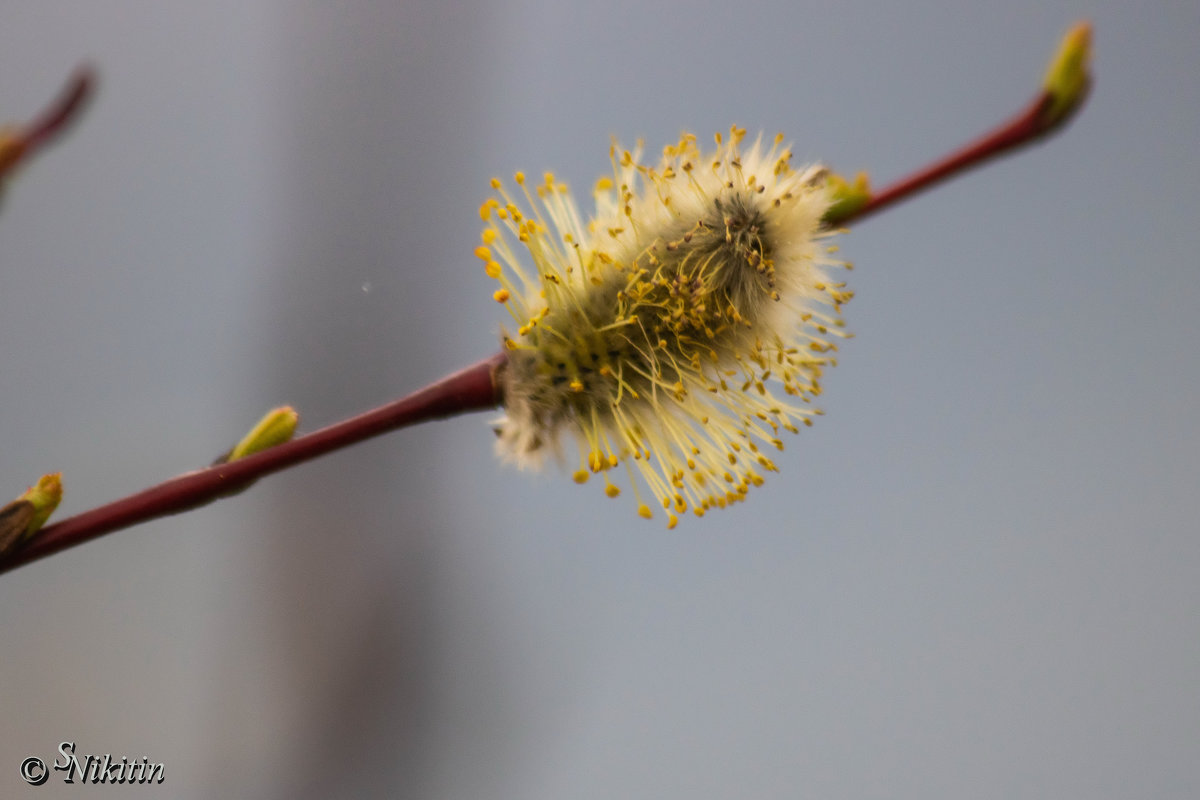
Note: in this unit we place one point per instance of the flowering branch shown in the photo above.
(479, 387)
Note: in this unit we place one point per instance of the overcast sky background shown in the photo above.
(977, 576)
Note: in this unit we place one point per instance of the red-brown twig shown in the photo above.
(1025, 128)
(472, 389)
(51, 123)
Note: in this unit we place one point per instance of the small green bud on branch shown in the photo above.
(23, 517)
(275, 428)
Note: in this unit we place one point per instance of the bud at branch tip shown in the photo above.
(1068, 77)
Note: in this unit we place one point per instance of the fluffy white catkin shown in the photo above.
(660, 333)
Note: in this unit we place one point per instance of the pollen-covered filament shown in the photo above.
(659, 333)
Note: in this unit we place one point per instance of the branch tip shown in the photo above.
(18, 143)
(1063, 92)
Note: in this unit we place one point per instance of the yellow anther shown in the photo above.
(644, 511)
(612, 490)
(672, 521)
(495, 183)
(581, 476)
(576, 385)
(492, 268)
(482, 253)
(500, 295)
(519, 177)
(489, 235)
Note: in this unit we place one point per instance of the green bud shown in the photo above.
(45, 496)
(23, 517)
(848, 197)
(276, 427)
(1068, 78)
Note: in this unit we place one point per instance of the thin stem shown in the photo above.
(472, 389)
(1022, 129)
(1030, 125)
(65, 109)
(52, 121)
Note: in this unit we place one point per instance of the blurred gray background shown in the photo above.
(977, 576)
